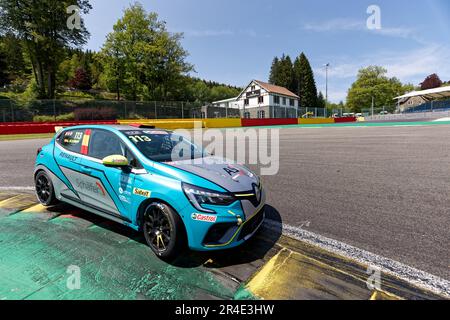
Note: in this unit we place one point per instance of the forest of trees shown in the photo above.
(298, 77)
(140, 59)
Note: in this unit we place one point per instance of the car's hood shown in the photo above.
(232, 177)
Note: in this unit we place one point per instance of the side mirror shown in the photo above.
(115, 161)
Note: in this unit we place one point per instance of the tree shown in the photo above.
(15, 64)
(304, 83)
(3, 66)
(81, 80)
(431, 82)
(45, 34)
(372, 83)
(141, 58)
(321, 103)
(281, 73)
(273, 77)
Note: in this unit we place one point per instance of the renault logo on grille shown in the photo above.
(257, 193)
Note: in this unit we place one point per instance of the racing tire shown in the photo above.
(163, 230)
(45, 192)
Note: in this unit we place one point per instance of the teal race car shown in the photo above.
(153, 181)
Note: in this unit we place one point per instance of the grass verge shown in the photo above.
(10, 137)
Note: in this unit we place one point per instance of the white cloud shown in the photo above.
(342, 24)
(409, 66)
(336, 25)
(219, 33)
(208, 33)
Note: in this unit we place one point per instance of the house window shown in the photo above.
(261, 100)
(292, 102)
(284, 101)
(276, 99)
(261, 114)
(246, 102)
(247, 115)
(253, 88)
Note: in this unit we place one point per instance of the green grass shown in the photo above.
(10, 137)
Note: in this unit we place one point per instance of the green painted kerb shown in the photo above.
(36, 255)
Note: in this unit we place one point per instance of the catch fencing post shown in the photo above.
(12, 110)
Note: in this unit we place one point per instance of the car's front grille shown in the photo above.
(220, 234)
(252, 224)
(251, 196)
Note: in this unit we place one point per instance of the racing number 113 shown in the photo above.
(137, 139)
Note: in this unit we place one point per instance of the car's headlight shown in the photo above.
(200, 196)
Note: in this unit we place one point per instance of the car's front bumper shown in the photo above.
(231, 226)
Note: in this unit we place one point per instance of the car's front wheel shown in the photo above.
(45, 191)
(163, 230)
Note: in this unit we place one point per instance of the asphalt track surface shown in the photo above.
(382, 189)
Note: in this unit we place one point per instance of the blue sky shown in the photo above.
(234, 41)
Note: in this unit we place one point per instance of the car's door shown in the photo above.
(67, 153)
(115, 185)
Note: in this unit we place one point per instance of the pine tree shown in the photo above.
(321, 103)
(3, 67)
(304, 83)
(274, 71)
(286, 73)
(281, 72)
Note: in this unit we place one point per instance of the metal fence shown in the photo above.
(51, 110)
(78, 110)
(430, 106)
(410, 116)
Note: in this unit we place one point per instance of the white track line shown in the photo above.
(17, 188)
(417, 277)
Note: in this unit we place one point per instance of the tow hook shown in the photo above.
(238, 217)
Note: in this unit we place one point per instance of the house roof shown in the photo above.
(225, 100)
(276, 89)
(271, 89)
(437, 93)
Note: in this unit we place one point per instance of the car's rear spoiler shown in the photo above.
(142, 126)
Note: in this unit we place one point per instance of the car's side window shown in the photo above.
(103, 144)
(72, 140)
(132, 160)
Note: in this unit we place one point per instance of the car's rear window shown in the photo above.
(72, 140)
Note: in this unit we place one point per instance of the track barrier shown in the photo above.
(169, 124)
(268, 122)
(43, 127)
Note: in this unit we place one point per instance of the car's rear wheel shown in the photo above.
(163, 230)
(45, 191)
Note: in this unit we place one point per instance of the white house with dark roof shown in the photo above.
(263, 100)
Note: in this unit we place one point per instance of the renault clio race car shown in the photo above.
(128, 174)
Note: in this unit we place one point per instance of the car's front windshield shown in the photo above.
(163, 146)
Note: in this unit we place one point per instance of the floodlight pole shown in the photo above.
(373, 102)
(326, 88)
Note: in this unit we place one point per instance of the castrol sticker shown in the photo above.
(204, 217)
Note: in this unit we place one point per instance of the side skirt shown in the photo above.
(95, 209)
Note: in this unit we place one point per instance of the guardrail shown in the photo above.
(42, 127)
(49, 127)
(409, 116)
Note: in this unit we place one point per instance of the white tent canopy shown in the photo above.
(437, 93)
